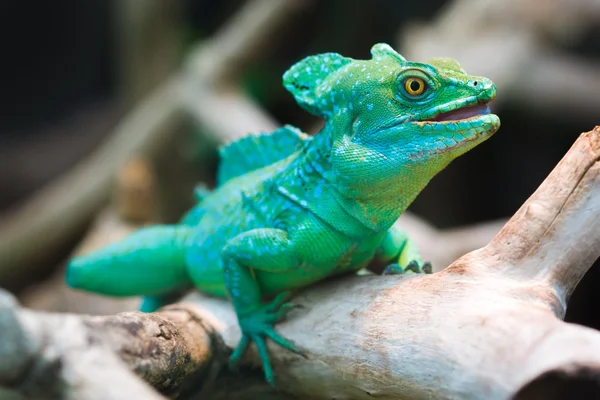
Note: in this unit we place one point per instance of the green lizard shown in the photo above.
(290, 209)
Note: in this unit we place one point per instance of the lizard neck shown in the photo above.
(358, 209)
(364, 197)
(309, 181)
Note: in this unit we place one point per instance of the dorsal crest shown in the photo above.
(257, 151)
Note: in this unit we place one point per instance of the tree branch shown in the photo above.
(484, 327)
(59, 357)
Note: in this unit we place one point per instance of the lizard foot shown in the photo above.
(257, 326)
(413, 266)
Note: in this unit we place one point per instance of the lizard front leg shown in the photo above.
(267, 250)
(402, 253)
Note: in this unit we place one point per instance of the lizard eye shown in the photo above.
(414, 86)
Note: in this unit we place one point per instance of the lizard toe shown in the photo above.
(393, 269)
(236, 356)
(427, 267)
(413, 266)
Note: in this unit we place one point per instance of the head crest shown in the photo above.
(383, 50)
(304, 78)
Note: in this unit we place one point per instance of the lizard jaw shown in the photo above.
(461, 122)
(458, 136)
(467, 128)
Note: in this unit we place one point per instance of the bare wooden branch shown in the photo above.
(60, 357)
(481, 328)
(484, 327)
(84, 357)
(551, 249)
(442, 246)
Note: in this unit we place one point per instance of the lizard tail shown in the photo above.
(151, 261)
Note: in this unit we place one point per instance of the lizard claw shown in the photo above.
(427, 268)
(278, 301)
(257, 326)
(413, 266)
(236, 356)
(393, 269)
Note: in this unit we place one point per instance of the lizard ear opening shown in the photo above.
(383, 50)
(303, 79)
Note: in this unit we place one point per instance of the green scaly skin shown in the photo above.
(293, 214)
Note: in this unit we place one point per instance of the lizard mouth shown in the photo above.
(470, 117)
(460, 124)
(463, 113)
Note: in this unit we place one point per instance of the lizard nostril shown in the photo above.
(475, 83)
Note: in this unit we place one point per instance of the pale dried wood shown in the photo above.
(481, 328)
(484, 327)
(442, 246)
(62, 357)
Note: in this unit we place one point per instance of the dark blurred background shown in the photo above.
(71, 70)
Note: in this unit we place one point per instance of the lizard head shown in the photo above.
(388, 118)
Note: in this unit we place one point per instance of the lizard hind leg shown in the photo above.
(150, 261)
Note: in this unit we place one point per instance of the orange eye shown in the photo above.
(414, 86)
